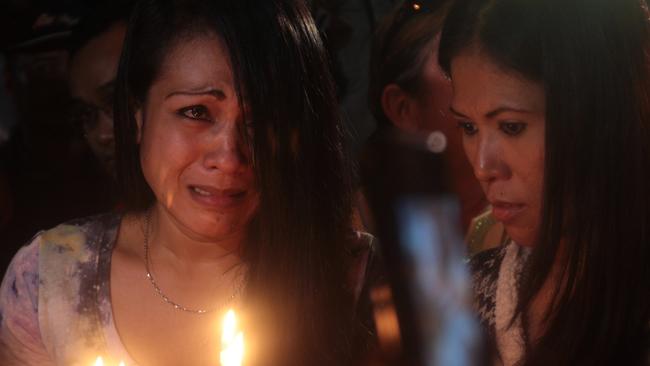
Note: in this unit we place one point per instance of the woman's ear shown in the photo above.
(138, 121)
(400, 108)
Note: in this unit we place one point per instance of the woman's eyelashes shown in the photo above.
(509, 128)
(512, 128)
(196, 112)
(468, 128)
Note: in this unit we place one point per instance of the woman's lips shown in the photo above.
(506, 212)
(217, 198)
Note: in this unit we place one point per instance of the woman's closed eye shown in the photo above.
(468, 128)
(196, 112)
(512, 128)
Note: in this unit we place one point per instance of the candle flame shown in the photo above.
(100, 362)
(232, 341)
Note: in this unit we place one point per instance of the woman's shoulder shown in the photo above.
(74, 255)
(76, 241)
(77, 238)
(57, 280)
(485, 232)
(67, 237)
(39, 274)
(87, 229)
(19, 325)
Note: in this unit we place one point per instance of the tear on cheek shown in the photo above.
(169, 199)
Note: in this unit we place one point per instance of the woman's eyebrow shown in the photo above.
(456, 113)
(493, 113)
(217, 93)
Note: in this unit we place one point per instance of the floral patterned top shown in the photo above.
(55, 297)
(55, 306)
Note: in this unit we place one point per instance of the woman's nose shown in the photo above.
(489, 162)
(223, 149)
(106, 136)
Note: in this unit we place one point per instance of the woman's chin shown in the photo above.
(208, 229)
(522, 237)
(216, 233)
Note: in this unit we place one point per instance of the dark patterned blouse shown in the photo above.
(495, 274)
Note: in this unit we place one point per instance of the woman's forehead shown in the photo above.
(198, 64)
(481, 83)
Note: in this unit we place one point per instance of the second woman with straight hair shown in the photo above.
(553, 99)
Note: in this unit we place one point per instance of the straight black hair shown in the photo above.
(591, 56)
(297, 300)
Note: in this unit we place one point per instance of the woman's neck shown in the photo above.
(175, 244)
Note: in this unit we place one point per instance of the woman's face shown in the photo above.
(502, 117)
(191, 144)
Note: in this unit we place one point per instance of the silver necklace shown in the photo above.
(166, 298)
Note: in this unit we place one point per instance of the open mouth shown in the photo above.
(217, 198)
(212, 192)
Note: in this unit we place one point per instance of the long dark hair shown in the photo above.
(591, 56)
(297, 300)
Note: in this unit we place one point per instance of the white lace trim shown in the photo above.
(509, 339)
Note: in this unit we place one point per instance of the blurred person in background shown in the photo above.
(409, 91)
(348, 26)
(38, 160)
(553, 98)
(95, 47)
(59, 162)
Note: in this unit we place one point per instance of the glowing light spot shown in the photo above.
(232, 341)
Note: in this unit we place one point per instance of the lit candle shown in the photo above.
(100, 362)
(232, 341)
